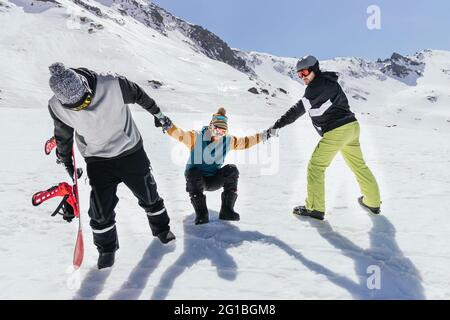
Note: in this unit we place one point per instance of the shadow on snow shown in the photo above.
(399, 277)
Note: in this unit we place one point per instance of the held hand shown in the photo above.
(164, 122)
(269, 133)
(274, 132)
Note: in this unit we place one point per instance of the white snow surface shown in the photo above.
(269, 254)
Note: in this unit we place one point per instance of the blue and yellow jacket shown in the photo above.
(208, 155)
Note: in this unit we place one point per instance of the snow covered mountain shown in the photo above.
(137, 36)
(402, 103)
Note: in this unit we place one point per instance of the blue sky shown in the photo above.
(326, 29)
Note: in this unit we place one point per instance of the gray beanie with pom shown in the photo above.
(66, 84)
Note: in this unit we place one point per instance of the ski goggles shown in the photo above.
(86, 102)
(88, 98)
(303, 73)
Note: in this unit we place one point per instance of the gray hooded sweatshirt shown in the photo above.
(105, 129)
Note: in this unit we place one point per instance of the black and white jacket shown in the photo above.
(326, 103)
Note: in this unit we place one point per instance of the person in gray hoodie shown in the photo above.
(94, 108)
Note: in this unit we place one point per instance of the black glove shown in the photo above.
(269, 133)
(163, 122)
(70, 170)
(67, 158)
(276, 125)
(68, 165)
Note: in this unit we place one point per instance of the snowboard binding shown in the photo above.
(67, 207)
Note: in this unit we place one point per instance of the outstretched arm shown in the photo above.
(291, 115)
(245, 142)
(132, 93)
(185, 137)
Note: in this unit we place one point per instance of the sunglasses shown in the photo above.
(303, 73)
(219, 131)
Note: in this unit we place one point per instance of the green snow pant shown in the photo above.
(346, 140)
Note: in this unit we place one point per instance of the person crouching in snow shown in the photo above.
(205, 170)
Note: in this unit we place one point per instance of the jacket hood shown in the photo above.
(333, 76)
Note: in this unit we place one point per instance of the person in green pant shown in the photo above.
(328, 107)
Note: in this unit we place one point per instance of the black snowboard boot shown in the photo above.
(227, 210)
(166, 236)
(366, 207)
(302, 211)
(201, 210)
(106, 260)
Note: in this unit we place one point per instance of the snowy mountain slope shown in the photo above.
(126, 29)
(131, 49)
(269, 254)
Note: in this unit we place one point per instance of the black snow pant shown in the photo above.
(226, 177)
(104, 176)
